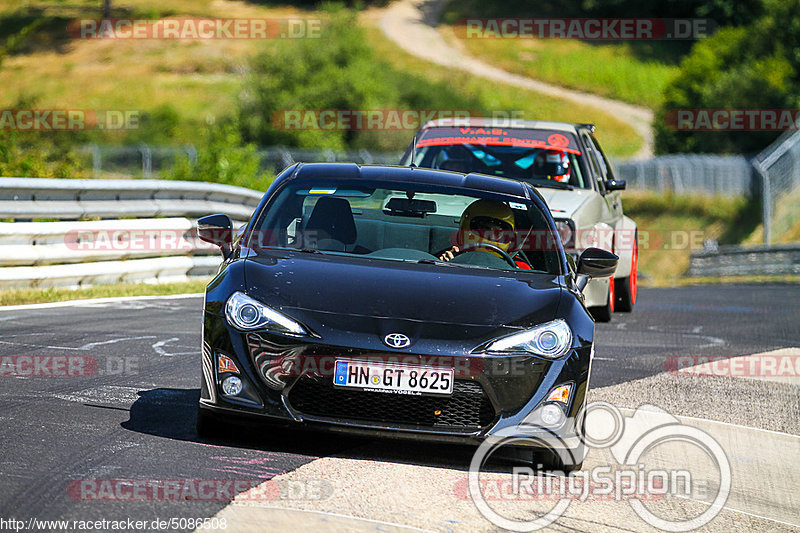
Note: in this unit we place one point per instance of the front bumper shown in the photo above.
(288, 382)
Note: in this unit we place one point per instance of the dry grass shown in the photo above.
(32, 296)
(199, 78)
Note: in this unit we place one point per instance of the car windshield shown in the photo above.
(420, 224)
(544, 158)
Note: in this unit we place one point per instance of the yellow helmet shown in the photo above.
(487, 221)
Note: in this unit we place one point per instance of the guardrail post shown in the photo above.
(147, 160)
(191, 153)
(97, 163)
(766, 201)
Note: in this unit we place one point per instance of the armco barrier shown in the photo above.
(746, 261)
(123, 239)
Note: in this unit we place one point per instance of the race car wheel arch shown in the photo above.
(625, 239)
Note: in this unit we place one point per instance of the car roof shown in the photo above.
(446, 178)
(506, 123)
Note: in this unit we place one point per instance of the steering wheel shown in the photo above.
(486, 245)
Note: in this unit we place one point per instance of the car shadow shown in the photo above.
(172, 413)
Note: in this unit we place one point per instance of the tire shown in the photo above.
(603, 314)
(627, 288)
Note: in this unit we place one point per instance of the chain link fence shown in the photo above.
(779, 168)
(276, 158)
(716, 175)
(145, 161)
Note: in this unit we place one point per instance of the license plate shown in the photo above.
(392, 377)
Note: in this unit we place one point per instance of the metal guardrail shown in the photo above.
(73, 199)
(746, 261)
(123, 241)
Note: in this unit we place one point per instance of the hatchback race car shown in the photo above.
(334, 310)
(566, 165)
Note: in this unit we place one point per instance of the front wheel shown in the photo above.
(603, 313)
(627, 287)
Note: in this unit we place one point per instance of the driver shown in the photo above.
(485, 222)
(552, 164)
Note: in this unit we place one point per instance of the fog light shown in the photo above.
(551, 415)
(232, 386)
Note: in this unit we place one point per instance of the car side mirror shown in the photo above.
(218, 230)
(595, 263)
(615, 185)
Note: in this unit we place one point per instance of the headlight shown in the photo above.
(245, 313)
(551, 340)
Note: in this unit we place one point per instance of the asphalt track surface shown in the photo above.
(134, 417)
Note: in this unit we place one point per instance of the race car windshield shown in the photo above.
(544, 158)
(387, 221)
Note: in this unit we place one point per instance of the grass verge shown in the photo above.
(671, 227)
(722, 280)
(58, 294)
(618, 70)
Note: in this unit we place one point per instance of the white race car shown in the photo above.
(568, 168)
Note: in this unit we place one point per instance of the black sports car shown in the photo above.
(398, 301)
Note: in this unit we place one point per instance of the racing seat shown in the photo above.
(331, 225)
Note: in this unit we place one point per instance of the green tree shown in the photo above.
(338, 71)
(748, 67)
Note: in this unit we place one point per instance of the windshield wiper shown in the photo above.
(310, 251)
(553, 185)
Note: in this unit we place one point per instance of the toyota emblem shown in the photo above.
(396, 340)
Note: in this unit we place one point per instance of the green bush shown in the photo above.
(39, 159)
(223, 158)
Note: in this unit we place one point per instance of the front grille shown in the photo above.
(467, 408)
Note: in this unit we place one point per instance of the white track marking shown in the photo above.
(90, 345)
(159, 348)
(85, 347)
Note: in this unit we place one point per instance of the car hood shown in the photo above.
(564, 203)
(331, 290)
